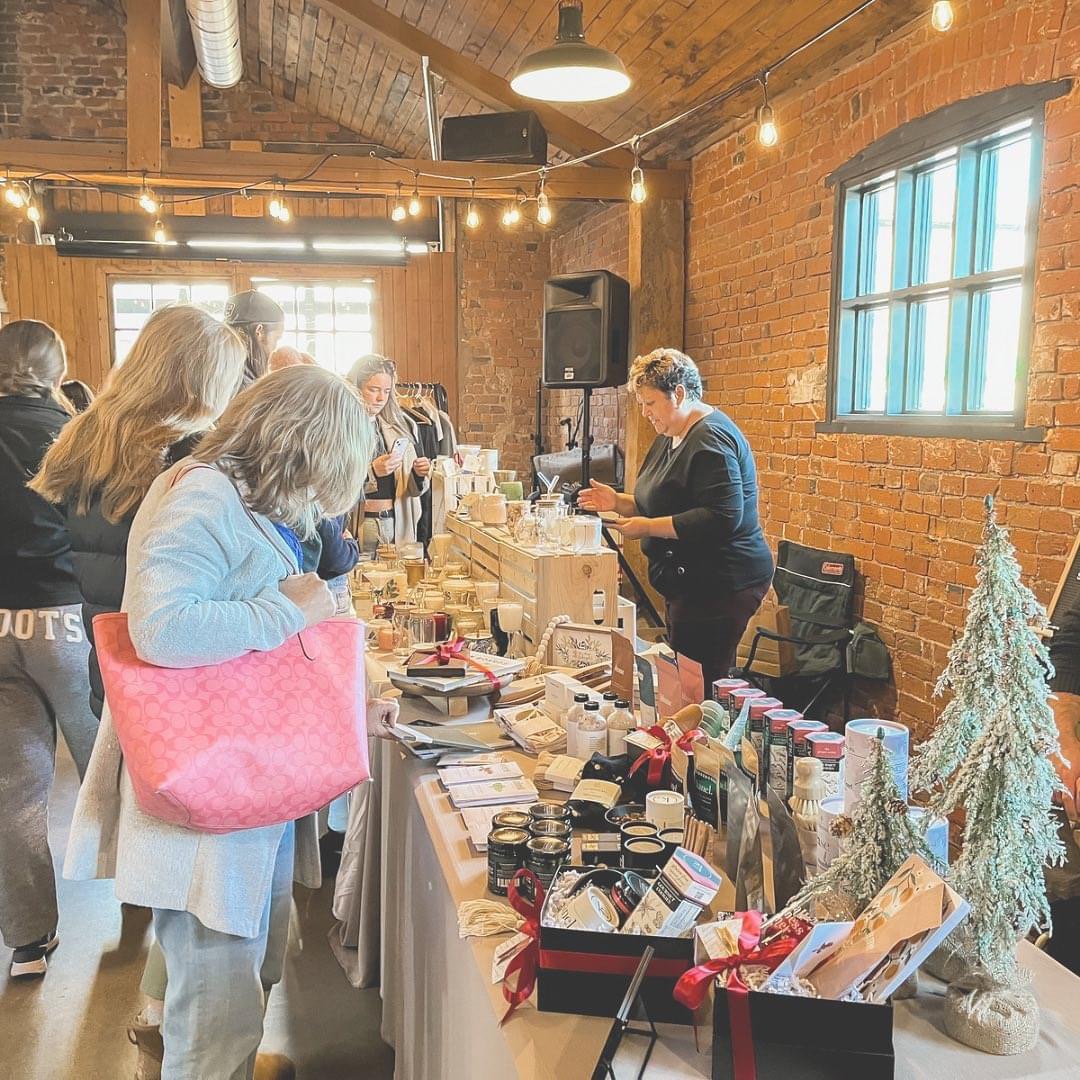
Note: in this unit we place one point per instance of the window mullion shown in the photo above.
(959, 360)
(898, 337)
(901, 267)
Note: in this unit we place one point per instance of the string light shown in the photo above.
(767, 133)
(543, 204)
(14, 195)
(941, 15)
(638, 193)
(33, 213)
(160, 236)
(273, 208)
(511, 215)
(147, 200)
(399, 212)
(284, 214)
(415, 206)
(472, 218)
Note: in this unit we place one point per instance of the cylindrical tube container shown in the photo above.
(860, 736)
(643, 853)
(665, 809)
(776, 748)
(829, 844)
(544, 855)
(797, 745)
(591, 909)
(553, 810)
(758, 708)
(506, 855)
(511, 819)
(828, 748)
(550, 827)
(937, 833)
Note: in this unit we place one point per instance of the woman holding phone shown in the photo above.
(397, 477)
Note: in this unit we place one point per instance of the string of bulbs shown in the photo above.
(20, 193)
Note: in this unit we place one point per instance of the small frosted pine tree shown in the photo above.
(975, 672)
(882, 837)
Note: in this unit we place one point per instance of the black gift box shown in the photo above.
(587, 972)
(800, 1038)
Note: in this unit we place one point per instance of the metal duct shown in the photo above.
(215, 29)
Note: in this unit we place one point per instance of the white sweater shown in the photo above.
(201, 589)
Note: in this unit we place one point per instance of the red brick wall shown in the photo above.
(599, 242)
(760, 241)
(501, 278)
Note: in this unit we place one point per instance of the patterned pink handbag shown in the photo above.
(259, 740)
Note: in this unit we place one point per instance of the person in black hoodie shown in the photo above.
(42, 645)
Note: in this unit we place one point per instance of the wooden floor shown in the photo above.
(71, 1025)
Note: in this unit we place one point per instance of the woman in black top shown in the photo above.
(694, 509)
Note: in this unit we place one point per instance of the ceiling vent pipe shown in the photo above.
(215, 29)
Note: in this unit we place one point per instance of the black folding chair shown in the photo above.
(818, 588)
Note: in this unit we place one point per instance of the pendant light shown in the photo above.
(571, 69)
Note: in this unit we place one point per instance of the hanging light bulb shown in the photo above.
(273, 207)
(33, 213)
(399, 212)
(767, 132)
(637, 185)
(160, 235)
(472, 218)
(941, 15)
(284, 214)
(543, 204)
(415, 206)
(147, 200)
(511, 215)
(15, 196)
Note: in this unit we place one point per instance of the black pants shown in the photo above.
(707, 628)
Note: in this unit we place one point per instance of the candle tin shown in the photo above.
(506, 855)
(549, 811)
(544, 855)
(643, 853)
(550, 827)
(511, 819)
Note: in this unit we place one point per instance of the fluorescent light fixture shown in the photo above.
(383, 246)
(216, 243)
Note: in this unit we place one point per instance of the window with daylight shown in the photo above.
(933, 277)
(131, 303)
(331, 320)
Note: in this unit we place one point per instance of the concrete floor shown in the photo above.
(71, 1024)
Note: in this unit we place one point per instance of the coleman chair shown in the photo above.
(818, 589)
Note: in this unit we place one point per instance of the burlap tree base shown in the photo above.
(991, 1016)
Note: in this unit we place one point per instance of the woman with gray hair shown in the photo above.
(204, 586)
(694, 509)
(398, 476)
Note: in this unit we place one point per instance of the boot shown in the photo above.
(274, 1067)
(147, 1040)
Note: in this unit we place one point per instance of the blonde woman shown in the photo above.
(205, 584)
(42, 645)
(398, 476)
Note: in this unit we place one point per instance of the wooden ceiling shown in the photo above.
(679, 52)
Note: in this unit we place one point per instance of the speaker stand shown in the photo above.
(586, 436)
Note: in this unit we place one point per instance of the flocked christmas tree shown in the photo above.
(996, 761)
(877, 839)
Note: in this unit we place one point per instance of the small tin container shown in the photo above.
(643, 853)
(549, 811)
(671, 839)
(506, 855)
(634, 830)
(544, 855)
(550, 827)
(511, 819)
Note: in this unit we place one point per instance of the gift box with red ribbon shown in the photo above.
(587, 972)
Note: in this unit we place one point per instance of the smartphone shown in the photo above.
(398, 449)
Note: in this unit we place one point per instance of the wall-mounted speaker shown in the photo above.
(514, 137)
(586, 329)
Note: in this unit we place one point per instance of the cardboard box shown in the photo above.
(775, 658)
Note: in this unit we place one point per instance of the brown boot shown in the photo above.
(274, 1067)
(147, 1040)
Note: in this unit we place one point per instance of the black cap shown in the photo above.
(253, 307)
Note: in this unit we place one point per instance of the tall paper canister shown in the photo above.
(797, 745)
(758, 708)
(664, 809)
(828, 843)
(860, 735)
(937, 833)
(828, 747)
(776, 742)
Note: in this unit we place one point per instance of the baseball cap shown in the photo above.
(253, 307)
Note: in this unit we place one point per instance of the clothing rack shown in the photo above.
(418, 389)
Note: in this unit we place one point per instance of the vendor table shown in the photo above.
(441, 1011)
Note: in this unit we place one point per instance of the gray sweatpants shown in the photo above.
(43, 686)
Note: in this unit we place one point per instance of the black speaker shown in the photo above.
(586, 329)
(515, 137)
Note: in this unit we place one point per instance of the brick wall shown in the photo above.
(760, 241)
(599, 242)
(501, 276)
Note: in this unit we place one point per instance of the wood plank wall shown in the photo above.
(414, 311)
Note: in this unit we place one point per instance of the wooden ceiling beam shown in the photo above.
(185, 113)
(105, 163)
(143, 90)
(403, 38)
(177, 46)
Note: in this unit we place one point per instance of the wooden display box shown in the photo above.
(775, 658)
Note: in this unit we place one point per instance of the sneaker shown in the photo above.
(147, 1040)
(274, 1067)
(30, 960)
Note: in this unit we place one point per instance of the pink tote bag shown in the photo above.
(259, 740)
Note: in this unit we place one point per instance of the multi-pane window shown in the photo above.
(134, 301)
(330, 320)
(935, 276)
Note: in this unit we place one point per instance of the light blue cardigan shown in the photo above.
(201, 589)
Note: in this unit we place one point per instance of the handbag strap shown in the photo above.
(247, 510)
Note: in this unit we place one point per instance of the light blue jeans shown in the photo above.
(218, 984)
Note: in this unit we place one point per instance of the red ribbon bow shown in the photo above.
(693, 986)
(525, 963)
(659, 756)
(455, 650)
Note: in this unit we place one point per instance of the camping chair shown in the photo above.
(818, 588)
